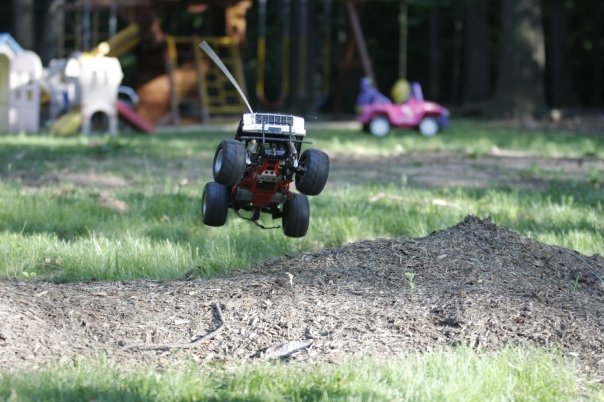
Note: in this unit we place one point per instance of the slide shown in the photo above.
(121, 43)
(67, 124)
(127, 114)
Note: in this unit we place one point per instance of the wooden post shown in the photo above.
(360, 39)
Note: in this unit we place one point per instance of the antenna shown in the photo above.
(206, 48)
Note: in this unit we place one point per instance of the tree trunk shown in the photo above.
(402, 45)
(597, 96)
(49, 46)
(456, 59)
(434, 55)
(23, 12)
(561, 85)
(477, 77)
(519, 92)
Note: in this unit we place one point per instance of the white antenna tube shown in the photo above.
(206, 48)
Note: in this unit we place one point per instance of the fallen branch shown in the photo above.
(284, 350)
(195, 341)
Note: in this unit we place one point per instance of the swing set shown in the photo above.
(286, 55)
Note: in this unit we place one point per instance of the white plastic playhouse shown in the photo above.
(9, 48)
(97, 79)
(24, 109)
(83, 88)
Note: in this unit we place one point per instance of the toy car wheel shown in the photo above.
(296, 216)
(229, 162)
(215, 204)
(428, 126)
(312, 172)
(379, 126)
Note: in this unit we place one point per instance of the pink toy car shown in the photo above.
(379, 114)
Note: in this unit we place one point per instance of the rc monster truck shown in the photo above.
(253, 171)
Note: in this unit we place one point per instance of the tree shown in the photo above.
(598, 41)
(561, 85)
(434, 51)
(519, 91)
(53, 19)
(23, 12)
(476, 80)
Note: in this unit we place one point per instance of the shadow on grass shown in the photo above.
(474, 138)
(162, 216)
(89, 393)
(37, 160)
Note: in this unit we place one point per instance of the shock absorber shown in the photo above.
(293, 154)
(252, 146)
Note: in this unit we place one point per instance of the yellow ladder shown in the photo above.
(217, 95)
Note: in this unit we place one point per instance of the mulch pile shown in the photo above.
(473, 284)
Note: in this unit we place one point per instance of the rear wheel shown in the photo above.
(296, 216)
(215, 204)
(428, 126)
(312, 172)
(229, 162)
(379, 126)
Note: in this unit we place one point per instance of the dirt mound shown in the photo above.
(473, 284)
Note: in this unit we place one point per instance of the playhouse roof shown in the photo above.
(8, 40)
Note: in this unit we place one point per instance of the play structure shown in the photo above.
(83, 94)
(79, 92)
(174, 81)
(291, 62)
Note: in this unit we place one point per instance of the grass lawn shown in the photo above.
(127, 207)
(453, 375)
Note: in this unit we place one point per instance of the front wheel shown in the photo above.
(296, 216)
(428, 126)
(215, 204)
(229, 162)
(379, 126)
(312, 172)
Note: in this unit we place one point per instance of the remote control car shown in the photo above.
(253, 171)
(378, 114)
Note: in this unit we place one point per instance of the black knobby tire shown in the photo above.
(296, 216)
(313, 172)
(215, 204)
(229, 162)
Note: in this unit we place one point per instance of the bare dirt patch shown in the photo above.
(473, 284)
(457, 169)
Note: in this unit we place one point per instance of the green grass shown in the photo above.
(470, 137)
(57, 230)
(514, 374)
(88, 241)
